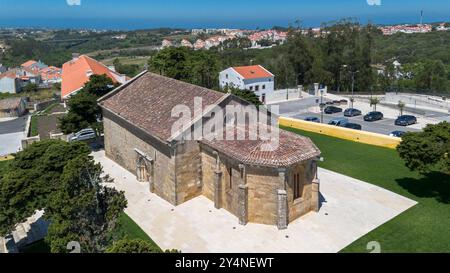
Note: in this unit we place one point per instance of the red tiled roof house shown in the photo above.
(77, 72)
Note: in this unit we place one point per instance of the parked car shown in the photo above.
(353, 126)
(352, 112)
(405, 120)
(338, 122)
(332, 110)
(313, 119)
(84, 134)
(373, 116)
(337, 102)
(344, 101)
(397, 134)
(329, 103)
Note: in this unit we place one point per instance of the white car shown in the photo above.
(84, 134)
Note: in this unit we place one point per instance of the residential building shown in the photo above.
(12, 81)
(12, 107)
(166, 43)
(254, 78)
(199, 44)
(186, 43)
(51, 74)
(48, 74)
(33, 65)
(77, 72)
(272, 187)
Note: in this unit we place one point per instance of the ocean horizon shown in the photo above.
(148, 23)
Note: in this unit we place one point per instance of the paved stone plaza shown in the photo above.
(350, 209)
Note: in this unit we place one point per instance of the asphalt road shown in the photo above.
(385, 126)
(13, 126)
(11, 135)
(295, 107)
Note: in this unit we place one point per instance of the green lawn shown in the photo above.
(128, 228)
(34, 126)
(423, 228)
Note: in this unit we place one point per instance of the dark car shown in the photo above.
(337, 102)
(312, 119)
(329, 103)
(352, 112)
(353, 126)
(332, 110)
(344, 101)
(373, 116)
(405, 120)
(397, 134)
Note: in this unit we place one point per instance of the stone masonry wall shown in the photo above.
(188, 164)
(120, 145)
(302, 205)
(263, 185)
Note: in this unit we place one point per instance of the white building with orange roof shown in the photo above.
(253, 78)
(76, 73)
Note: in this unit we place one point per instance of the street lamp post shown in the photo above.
(353, 87)
(322, 106)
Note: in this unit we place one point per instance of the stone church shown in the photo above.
(267, 187)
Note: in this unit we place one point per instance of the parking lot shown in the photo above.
(385, 126)
(300, 109)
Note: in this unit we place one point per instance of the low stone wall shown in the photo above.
(343, 133)
(30, 140)
(43, 105)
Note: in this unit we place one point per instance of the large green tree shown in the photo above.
(84, 111)
(432, 76)
(31, 177)
(63, 180)
(82, 209)
(428, 150)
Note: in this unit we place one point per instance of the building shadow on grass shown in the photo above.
(432, 185)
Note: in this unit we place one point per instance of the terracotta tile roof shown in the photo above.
(28, 63)
(10, 74)
(147, 101)
(10, 103)
(76, 73)
(291, 149)
(253, 72)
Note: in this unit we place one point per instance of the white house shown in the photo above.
(254, 78)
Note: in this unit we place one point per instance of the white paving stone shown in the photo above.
(353, 209)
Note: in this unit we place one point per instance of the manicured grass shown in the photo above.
(128, 228)
(423, 228)
(34, 126)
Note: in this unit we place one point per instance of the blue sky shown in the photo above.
(129, 14)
